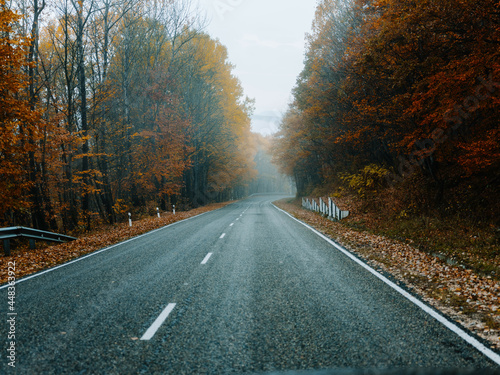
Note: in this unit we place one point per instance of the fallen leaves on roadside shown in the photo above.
(31, 261)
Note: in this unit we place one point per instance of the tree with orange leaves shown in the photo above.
(412, 86)
(18, 122)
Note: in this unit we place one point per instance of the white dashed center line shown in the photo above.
(231, 224)
(206, 258)
(158, 322)
(222, 235)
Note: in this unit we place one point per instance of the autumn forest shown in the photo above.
(398, 104)
(113, 106)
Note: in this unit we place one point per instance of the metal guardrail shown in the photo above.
(6, 234)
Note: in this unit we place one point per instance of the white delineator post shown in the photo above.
(129, 219)
(158, 211)
(173, 206)
(334, 212)
(323, 206)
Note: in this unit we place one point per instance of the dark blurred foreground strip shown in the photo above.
(387, 372)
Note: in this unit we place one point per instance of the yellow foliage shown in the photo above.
(368, 180)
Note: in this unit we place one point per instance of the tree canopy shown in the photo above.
(410, 88)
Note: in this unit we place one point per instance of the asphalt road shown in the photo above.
(244, 289)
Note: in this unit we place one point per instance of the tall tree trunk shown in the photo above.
(83, 113)
(36, 194)
(71, 211)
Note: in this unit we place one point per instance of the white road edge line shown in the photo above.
(222, 235)
(158, 322)
(205, 260)
(440, 318)
(103, 250)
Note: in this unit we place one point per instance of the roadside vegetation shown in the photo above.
(454, 239)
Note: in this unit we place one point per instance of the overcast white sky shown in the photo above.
(265, 41)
